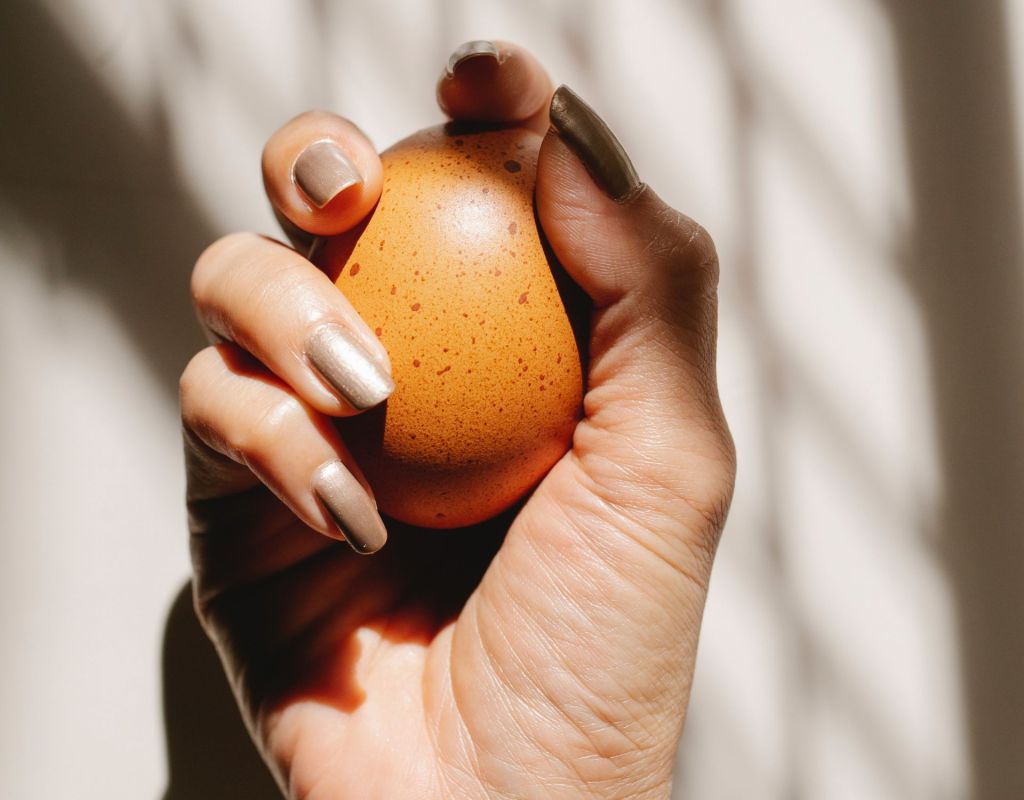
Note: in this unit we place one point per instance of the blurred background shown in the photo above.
(858, 162)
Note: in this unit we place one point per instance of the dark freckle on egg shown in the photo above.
(415, 362)
(559, 359)
(443, 371)
(445, 349)
(525, 367)
(415, 306)
(355, 269)
(393, 289)
(381, 245)
(512, 228)
(522, 298)
(540, 377)
(520, 360)
(542, 388)
(378, 331)
(512, 165)
(497, 272)
(487, 191)
(439, 515)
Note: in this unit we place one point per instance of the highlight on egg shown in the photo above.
(484, 330)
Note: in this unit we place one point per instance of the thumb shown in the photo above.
(590, 611)
(652, 408)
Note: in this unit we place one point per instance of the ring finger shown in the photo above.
(246, 419)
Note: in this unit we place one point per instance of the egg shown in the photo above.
(483, 328)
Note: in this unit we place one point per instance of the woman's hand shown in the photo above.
(547, 653)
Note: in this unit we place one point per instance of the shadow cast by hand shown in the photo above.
(429, 575)
(209, 751)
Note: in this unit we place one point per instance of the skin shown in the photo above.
(546, 654)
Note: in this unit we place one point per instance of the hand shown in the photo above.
(544, 654)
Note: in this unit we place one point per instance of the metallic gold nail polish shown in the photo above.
(469, 50)
(346, 365)
(351, 507)
(594, 144)
(322, 171)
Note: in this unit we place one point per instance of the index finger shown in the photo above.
(495, 81)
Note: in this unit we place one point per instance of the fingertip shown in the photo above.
(594, 144)
(600, 241)
(477, 48)
(495, 81)
(321, 173)
(617, 245)
(350, 507)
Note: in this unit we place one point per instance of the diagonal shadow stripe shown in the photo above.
(968, 273)
(100, 190)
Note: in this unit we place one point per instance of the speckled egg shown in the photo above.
(481, 324)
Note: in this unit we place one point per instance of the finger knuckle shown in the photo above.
(691, 251)
(193, 382)
(261, 437)
(684, 288)
(710, 496)
(215, 262)
(282, 286)
(706, 489)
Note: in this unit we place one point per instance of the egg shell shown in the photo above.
(482, 326)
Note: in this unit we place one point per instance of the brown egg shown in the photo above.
(479, 323)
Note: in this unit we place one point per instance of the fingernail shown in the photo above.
(351, 507)
(322, 171)
(346, 365)
(594, 144)
(464, 52)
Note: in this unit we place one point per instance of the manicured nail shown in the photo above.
(474, 49)
(346, 364)
(594, 144)
(322, 171)
(351, 507)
